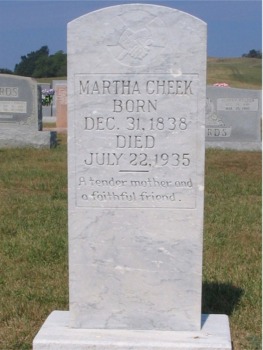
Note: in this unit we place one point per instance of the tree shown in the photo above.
(58, 64)
(41, 68)
(29, 62)
(39, 64)
(5, 71)
(253, 54)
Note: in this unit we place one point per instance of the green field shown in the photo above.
(33, 250)
(242, 72)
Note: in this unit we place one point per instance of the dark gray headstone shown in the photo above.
(233, 118)
(21, 114)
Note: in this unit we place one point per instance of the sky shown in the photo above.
(234, 26)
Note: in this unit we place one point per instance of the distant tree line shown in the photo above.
(253, 54)
(40, 64)
(6, 71)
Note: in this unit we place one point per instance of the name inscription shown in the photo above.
(237, 104)
(135, 141)
(8, 91)
(13, 106)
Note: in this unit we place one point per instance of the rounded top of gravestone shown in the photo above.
(123, 8)
(18, 77)
(136, 35)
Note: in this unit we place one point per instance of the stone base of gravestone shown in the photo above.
(55, 334)
(24, 137)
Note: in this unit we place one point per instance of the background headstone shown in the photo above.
(55, 84)
(233, 118)
(21, 114)
(136, 145)
(61, 106)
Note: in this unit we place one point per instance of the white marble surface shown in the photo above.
(56, 334)
(136, 168)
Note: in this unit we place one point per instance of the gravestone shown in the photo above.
(21, 114)
(55, 84)
(233, 118)
(136, 134)
(61, 107)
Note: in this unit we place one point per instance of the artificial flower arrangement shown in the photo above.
(47, 97)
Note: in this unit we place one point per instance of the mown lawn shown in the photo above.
(239, 72)
(232, 243)
(33, 250)
(242, 72)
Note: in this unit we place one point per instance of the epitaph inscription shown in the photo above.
(124, 160)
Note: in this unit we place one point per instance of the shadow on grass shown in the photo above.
(220, 298)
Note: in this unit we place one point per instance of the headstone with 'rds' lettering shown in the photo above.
(21, 114)
(136, 133)
(233, 118)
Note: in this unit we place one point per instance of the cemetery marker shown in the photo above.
(61, 107)
(233, 118)
(21, 114)
(136, 141)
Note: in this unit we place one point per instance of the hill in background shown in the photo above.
(242, 72)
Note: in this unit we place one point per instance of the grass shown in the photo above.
(49, 126)
(232, 243)
(33, 250)
(33, 233)
(49, 80)
(241, 72)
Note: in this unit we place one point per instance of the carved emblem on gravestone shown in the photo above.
(215, 127)
(135, 44)
(211, 118)
(140, 42)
